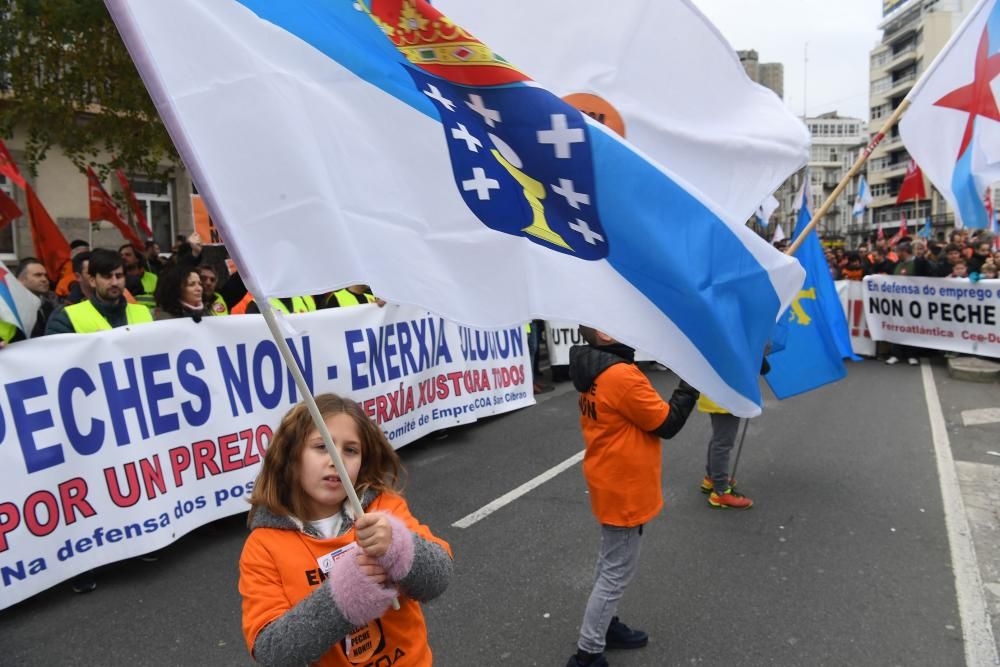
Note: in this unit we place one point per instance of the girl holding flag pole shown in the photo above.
(316, 576)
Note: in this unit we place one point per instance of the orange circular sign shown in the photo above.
(598, 109)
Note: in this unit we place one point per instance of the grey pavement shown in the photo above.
(844, 559)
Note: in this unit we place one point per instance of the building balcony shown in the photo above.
(891, 142)
(903, 57)
(902, 85)
(901, 31)
(892, 169)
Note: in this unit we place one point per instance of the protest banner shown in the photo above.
(937, 313)
(852, 299)
(116, 444)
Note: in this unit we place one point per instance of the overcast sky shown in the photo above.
(840, 34)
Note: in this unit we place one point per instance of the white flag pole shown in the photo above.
(286, 353)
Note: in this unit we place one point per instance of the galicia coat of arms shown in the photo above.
(520, 156)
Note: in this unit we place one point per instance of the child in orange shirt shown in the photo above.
(316, 581)
(623, 419)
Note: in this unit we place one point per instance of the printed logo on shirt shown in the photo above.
(364, 643)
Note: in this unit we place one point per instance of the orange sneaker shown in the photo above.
(729, 500)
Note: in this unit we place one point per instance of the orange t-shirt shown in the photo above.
(623, 460)
(278, 568)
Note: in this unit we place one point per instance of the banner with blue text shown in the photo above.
(116, 444)
(952, 314)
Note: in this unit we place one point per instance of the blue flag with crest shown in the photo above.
(812, 334)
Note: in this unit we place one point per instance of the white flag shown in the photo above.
(664, 72)
(951, 128)
(766, 210)
(863, 199)
(779, 234)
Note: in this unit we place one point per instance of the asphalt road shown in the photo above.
(843, 560)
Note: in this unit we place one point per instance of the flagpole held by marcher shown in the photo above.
(865, 154)
(307, 397)
(739, 450)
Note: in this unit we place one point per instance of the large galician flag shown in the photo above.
(379, 142)
(952, 127)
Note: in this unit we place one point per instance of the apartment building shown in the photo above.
(913, 33)
(837, 141)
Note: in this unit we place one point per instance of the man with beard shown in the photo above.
(212, 300)
(140, 282)
(106, 308)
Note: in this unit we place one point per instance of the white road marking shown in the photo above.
(511, 496)
(981, 416)
(977, 632)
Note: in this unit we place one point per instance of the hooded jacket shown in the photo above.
(294, 613)
(623, 418)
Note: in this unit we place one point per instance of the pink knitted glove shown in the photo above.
(398, 560)
(355, 594)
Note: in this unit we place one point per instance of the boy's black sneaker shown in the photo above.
(621, 636)
(583, 659)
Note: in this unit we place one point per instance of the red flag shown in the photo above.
(913, 184)
(134, 205)
(51, 246)
(9, 169)
(903, 232)
(881, 234)
(9, 210)
(102, 207)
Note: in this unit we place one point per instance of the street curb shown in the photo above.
(972, 369)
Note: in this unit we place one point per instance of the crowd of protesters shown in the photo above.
(179, 285)
(971, 256)
(964, 255)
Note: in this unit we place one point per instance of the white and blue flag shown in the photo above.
(863, 199)
(379, 142)
(18, 306)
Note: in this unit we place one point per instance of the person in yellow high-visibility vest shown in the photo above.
(9, 333)
(718, 483)
(288, 305)
(352, 295)
(107, 307)
(209, 282)
(140, 282)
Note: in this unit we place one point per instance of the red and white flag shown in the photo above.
(913, 184)
(903, 232)
(103, 207)
(134, 205)
(9, 169)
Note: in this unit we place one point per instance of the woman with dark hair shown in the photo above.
(178, 294)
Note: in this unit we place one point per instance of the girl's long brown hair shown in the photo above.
(277, 487)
